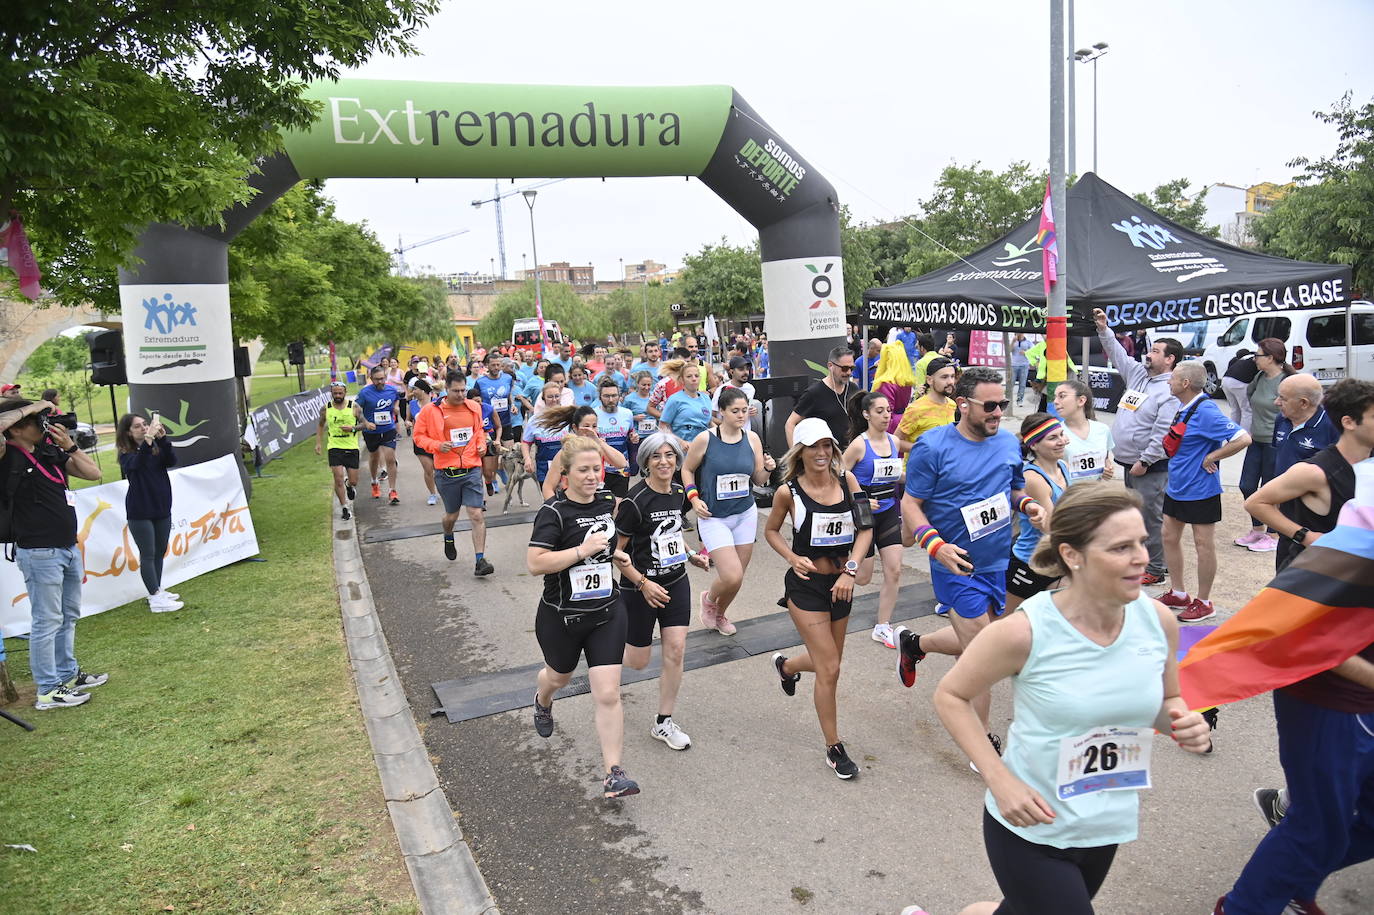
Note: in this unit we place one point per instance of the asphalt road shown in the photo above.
(750, 819)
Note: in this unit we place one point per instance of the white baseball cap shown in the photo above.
(812, 430)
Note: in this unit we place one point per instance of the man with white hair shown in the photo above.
(1304, 428)
(1197, 442)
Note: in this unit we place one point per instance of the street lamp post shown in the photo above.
(645, 291)
(538, 298)
(1083, 56)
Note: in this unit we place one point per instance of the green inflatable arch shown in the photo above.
(177, 339)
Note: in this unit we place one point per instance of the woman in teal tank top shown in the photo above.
(1094, 674)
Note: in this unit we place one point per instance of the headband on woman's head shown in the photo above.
(1033, 437)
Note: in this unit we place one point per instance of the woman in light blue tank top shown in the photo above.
(1043, 440)
(1094, 674)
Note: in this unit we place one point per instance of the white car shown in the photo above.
(1315, 339)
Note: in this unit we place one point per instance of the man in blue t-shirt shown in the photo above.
(652, 356)
(616, 426)
(1193, 496)
(380, 404)
(1303, 429)
(963, 481)
(495, 388)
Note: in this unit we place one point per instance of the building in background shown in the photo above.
(561, 272)
(1234, 209)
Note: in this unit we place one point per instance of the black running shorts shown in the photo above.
(563, 639)
(640, 617)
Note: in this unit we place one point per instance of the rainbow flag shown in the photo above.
(1049, 247)
(1316, 613)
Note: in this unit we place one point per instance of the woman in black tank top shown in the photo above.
(823, 555)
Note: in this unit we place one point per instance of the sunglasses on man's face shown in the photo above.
(992, 406)
(843, 368)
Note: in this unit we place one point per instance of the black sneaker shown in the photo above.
(1270, 805)
(490, 490)
(543, 718)
(450, 549)
(839, 760)
(382, 475)
(345, 515)
(618, 784)
(84, 681)
(909, 654)
(483, 567)
(788, 683)
(352, 493)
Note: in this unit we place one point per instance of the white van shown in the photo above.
(1315, 340)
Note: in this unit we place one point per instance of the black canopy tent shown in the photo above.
(1141, 268)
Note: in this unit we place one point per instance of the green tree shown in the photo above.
(561, 304)
(1171, 201)
(118, 114)
(724, 280)
(858, 248)
(627, 307)
(1329, 217)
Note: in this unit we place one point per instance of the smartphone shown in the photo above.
(157, 418)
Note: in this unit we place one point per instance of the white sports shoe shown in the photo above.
(671, 734)
(883, 633)
(432, 500)
(161, 602)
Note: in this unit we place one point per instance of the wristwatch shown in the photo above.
(1300, 535)
(851, 568)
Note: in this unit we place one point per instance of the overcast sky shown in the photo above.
(879, 96)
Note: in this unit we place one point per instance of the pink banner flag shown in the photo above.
(1049, 246)
(21, 257)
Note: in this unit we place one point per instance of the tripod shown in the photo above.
(19, 721)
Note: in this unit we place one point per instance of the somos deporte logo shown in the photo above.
(775, 165)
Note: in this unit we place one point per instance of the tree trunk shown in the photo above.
(8, 693)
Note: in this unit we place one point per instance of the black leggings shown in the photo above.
(151, 539)
(1041, 878)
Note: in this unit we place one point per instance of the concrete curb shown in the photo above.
(446, 878)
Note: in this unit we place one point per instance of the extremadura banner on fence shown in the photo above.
(281, 424)
(211, 528)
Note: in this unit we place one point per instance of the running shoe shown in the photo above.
(376, 491)
(883, 633)
(1251, 537)
(490, 490)
(1271, 805)
(837, 759)
(618, 784)
(724, 626)
(915, 909)
(450, 549)
(543, 717)
(941, 609)
(483, 567)
(909, 654)
(395, 499)
(788, 683)
(710, 615)
(61, 697)
(1303, 907)
(432, 500)
(345, 514)
(671, 734)
(382, 475)
(1198, 611)
(352, 493)
(1150, 578)
(84, 681)
(1265, 544)
(1175, 603)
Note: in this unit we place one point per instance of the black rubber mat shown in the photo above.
(465, 698)
(384, 534)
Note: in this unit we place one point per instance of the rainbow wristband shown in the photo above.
(929, 539)
(693, 493)
(1023, 502)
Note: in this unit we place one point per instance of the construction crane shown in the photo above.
(496, 198)
(402, 248)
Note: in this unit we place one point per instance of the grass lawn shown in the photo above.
(224, 767)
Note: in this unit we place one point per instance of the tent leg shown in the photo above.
(1083, 366)
(1006, 362)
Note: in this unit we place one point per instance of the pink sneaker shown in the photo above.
(724, 626)
(1265, 544)
(1251, 538)
(710, 613)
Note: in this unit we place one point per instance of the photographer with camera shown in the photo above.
(36, 457)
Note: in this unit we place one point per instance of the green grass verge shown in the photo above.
(224, 767)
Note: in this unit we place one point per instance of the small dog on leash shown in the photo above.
(514, 466)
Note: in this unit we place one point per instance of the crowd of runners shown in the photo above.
(1066, 518)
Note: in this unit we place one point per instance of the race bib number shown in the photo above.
(1132, 400)
(1105, 759)
(460, 437)
(381, 417)
(648, 425)
(887, 470)
(670, 550)
(832, 528)
(732, 486)
(500, 404)
(988, 516)
(591, 581)
(1087, 466)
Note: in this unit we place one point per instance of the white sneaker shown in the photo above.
(883, 633)
(168, 595)
(160, 604)
(671, 734)
(432, 500)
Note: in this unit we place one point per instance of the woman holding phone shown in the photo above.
(145, 456)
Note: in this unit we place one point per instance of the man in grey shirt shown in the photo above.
(1146, 411)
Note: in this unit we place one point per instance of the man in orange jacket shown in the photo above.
(451, 430)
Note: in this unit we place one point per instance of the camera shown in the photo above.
(59, 419)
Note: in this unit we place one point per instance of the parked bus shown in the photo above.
(525, 334)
